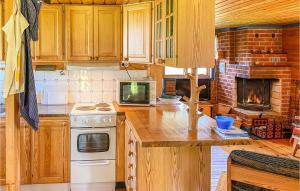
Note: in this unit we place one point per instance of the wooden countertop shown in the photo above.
(166, 126)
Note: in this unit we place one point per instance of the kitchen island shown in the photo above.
(161, 154)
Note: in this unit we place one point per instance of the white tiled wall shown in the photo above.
(77, 86)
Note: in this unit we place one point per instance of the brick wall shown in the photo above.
(244, 53)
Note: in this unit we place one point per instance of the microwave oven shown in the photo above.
(136, 92)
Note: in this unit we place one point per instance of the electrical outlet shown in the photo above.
(124, 64)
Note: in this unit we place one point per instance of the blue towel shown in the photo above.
(28, 103)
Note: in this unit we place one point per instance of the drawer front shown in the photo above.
(93, 171)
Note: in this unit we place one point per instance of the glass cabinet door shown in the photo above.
(159, 30)
(170, 29)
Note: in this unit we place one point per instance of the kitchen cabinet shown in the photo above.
(25, 153)
(137, 31)
(44, 153)
(120, 162)
(184, 33)
(107, 33)
(79, 33)
(93, 33)
(50, 45)
(50, 151)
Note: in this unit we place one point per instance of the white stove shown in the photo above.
(93, 115)
(93, 143)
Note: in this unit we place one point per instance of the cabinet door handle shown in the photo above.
(130, 177)
(130, 153)
(130, 142)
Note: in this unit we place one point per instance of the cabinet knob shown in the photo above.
(130, 177)
(130, 141)
(130, 153)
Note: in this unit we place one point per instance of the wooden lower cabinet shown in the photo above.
(45, 154)
(120, 169)
(50, 151)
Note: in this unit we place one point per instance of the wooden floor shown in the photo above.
(281, 148)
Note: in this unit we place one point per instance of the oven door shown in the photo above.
(93, 143)
(135, 93)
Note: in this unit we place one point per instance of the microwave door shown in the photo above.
(134, 93)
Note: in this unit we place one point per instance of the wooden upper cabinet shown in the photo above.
(184, 33)
(49, 47)
(79, 33)
(137, 30)
(50, 152)
(107, 33)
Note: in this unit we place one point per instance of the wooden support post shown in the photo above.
(12, 135)
(194, 99)
(12, 129)
(193, 103)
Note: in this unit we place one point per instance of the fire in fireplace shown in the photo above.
(253, 94)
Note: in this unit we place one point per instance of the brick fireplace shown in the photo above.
(253, 75)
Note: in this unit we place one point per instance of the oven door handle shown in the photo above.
(98, 163)
(98, 130)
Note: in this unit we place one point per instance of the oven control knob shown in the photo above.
(105, 120)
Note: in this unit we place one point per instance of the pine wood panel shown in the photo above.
(50, 43)
(291, 44)
(79, 33)
(137, 22)
(120, 166)
(2, 151)
(50, 152)
(230, 13)
(165, 168)
(195, 33)
(107, 33)
(99, 2)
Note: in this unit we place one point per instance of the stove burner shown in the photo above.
(104, 109)
(86, 108)
(102, 105)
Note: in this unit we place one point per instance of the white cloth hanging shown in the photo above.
(14, 30)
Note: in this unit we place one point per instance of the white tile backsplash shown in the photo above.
(80, 86)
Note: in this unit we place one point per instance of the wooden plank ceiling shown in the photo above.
(232, 13)
(98, 2)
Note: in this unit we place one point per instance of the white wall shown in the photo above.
(82, 86)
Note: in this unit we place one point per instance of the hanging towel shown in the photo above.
(28, 103)
(14, 29)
